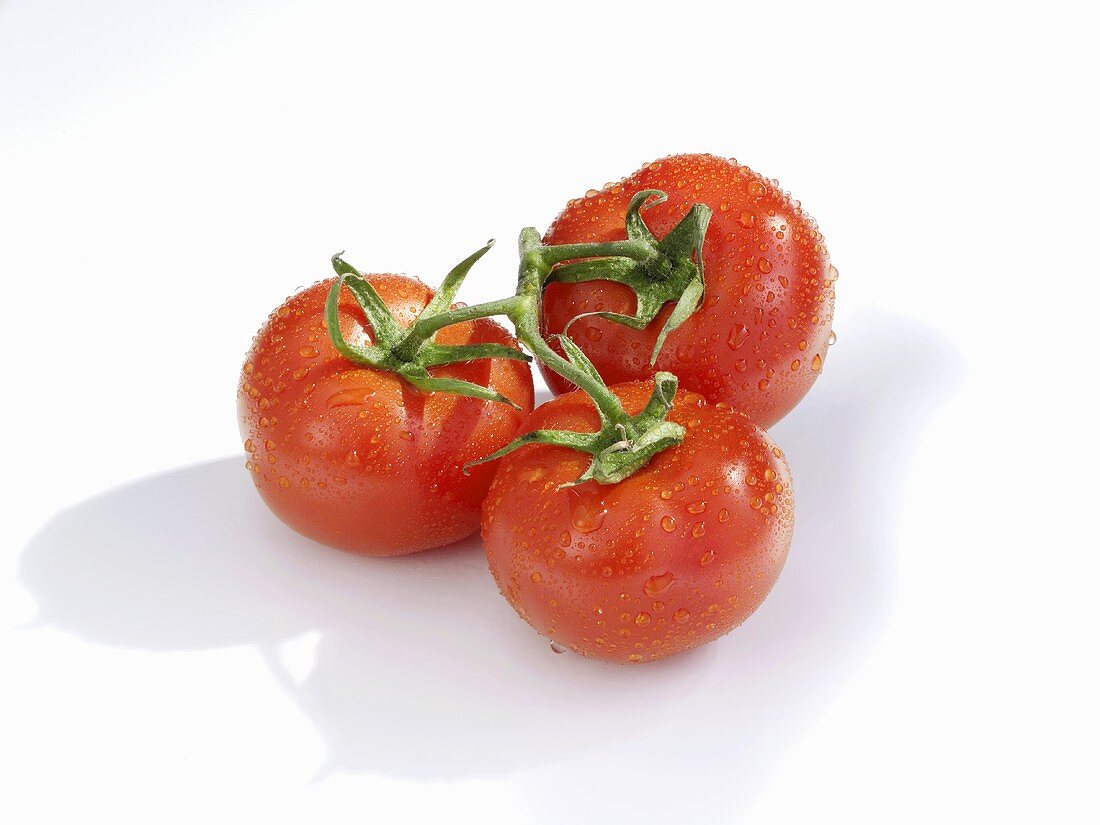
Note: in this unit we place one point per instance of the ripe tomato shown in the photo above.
(356, 458)
(673, 557)
(758, 340)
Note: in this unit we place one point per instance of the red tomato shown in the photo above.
(356, 458)
(758, 341)
(673, 557)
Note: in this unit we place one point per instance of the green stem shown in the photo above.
(522, 309)
(425, 328)
(657, 270)
(635, 250)
(536, 262)
(611, 409)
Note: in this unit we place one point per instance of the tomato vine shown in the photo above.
(657, 270)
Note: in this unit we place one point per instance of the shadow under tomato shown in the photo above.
(421, 670)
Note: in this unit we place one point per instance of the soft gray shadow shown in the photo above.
(423, 671)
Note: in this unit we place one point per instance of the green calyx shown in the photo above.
(671, 272)
(410, 352)
(624, 443)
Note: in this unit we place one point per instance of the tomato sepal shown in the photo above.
(623, 445)
(410, 352)
(672, 273)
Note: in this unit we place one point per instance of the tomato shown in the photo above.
(672, 557)
(758, 340)
(355, 457)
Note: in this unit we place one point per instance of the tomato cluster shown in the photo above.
(625, 522)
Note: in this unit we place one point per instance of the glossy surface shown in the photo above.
(759, 340)
(355, 457)
(671, 558)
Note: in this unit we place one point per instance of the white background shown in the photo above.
(170, 171)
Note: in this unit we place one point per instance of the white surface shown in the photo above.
(169, 172)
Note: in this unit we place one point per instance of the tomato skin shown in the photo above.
(356, 458)
(673, 557)
(758, 342)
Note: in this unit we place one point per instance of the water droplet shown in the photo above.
(666, 494)
(723, 515)
(536, 577)
(765, 266)
(697, 507)
(284, 481)
(557, 648)
(308, 352)
(634, 657)
(741, 365)
(642, 619)
(834, 276)
(747, 220)
(668, 524)
(832, 338)
(763, 383)
(593, 334)
(348, 398)
(755, 503)
(681, 616)
(815, 365)
(769, 474)
(588, 515)
(532, 473)
(698, 529)
(756, 188)
(657, 584)
(352, 458)
(706, 558)
(738, 335)
(300, 373)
